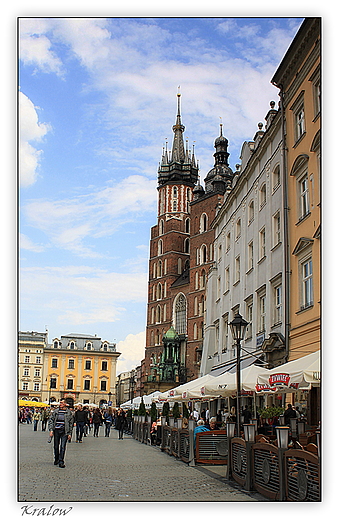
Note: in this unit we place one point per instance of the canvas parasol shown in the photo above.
(301, 373)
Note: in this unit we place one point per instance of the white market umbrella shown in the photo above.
(226, 384)
(289, 377)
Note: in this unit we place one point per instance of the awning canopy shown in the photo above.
(300, 373)
(137, 400)
(37, 404)
(225, 385)
(184, 392)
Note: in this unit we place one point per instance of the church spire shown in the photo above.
(178, 165)
(178, 148)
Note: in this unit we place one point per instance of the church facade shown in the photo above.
(181, 253)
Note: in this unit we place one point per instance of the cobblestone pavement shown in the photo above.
(110, 470)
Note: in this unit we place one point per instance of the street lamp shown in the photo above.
(238, 328)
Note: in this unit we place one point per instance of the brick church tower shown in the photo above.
(181, 252)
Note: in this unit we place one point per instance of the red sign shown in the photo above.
(265, 388)
(279, 380)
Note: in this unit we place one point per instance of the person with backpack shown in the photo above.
(108, 420)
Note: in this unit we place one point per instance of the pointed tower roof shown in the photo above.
(178, 148)
(179, 165)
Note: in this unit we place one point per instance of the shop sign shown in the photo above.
(279, 380)
(265, 388)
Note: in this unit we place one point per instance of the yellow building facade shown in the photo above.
(299, 80)
(80, 368)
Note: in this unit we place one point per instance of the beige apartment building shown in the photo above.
(30, 364)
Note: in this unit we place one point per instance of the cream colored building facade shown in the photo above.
(31, 347)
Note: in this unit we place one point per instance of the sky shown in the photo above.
(96, 103)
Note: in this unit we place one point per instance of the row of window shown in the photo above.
(262, 243)
(36, 386)
(73, 346)
(38, 359)
(261, 317)
(26, 372)
(70, 384)
(71, 364)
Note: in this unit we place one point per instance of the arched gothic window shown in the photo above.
(180, 311)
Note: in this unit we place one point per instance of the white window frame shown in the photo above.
(250, 212)
(303, 195)
(250, 249)
(262, 314)
(249, 318)
(262, 243)
(276, 178)
(276, 235)
(237, 269)
(306, 282)
(227, 278)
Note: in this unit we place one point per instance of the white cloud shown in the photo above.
(26, 243)
(30, 130)
(68, 223)
(132, 350)
(80, 294)
(35, 46)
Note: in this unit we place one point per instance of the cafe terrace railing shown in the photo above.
(211, 447)
(278, 474)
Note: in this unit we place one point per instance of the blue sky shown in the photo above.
(97, 101)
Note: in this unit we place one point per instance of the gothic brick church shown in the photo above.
(181, 255)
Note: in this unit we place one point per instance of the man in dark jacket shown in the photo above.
(60, 426)
(247, 415)
(289, 413)
(80, 417)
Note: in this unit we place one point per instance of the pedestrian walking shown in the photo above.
(108, 418)
(96, 421)
(121, 422)
(36, 419)
(44, 418)
(87, 421)
(28, 416)
(60, 426)
(79, 420)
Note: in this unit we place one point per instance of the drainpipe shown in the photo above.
(287, 272)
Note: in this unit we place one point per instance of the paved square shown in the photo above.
(109, 469)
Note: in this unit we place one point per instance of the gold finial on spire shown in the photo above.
(220, 125)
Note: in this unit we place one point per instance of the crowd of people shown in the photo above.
(61, 419)
(85, 418)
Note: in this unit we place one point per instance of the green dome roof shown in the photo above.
(171, 333)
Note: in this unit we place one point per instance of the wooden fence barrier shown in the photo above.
(302, 473)
(211, 447)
